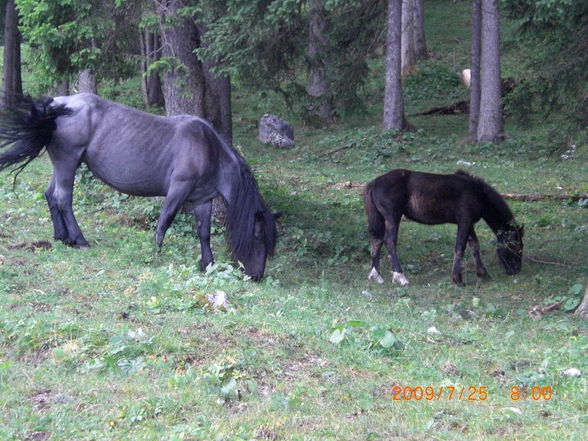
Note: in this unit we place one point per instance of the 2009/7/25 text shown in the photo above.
(464, 393)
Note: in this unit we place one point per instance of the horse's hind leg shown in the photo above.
(474, 245)
(374, 274)
(59, 197)
(203, 216)
(390, 240)
(177, 194)
(463, 232)
(59, 229)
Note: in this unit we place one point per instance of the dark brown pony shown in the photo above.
(432, 199)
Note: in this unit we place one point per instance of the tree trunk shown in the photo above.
(475, 53)
(150, 83)
(183, 83)
(63, 87)
(12, 86)
(393, 96)
(218, 103)
(582, 310)
(318, 84)
(420, 42)
(217, 95)
(490, 124)
(87, 81)
(408, 56)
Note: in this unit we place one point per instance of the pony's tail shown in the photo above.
(28, 129)
(376, 222)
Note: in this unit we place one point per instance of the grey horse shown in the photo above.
(137, 153)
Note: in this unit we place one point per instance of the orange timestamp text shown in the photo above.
(430, 393)
(466, 393)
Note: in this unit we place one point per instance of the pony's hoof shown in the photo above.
(484, 276)
(399, 278)
(458, 282)
(375, 276)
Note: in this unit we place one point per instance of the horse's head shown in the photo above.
(510, 247)
(262, 244)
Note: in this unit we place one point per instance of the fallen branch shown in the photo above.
(545, 262)
(540, 197)
(455, 108)
(338, 149)
(538, 311)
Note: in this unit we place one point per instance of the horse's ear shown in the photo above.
(522, 230)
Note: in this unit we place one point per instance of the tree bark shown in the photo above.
(582, 310)
(183, 84)
(12, 85)
(87, 81)
(408, 56)
(420, 41)
(393, 95)
(475, 53)
(218, 102)
(318, 83)
(63, 87)
(490, 124)
(217, 95)
(150, 83)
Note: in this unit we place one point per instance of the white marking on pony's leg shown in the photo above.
(375, 276)
(399, 278)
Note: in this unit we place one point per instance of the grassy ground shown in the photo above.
(113, 344)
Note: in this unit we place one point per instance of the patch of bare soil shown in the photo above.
(38, 436)
(33, 246)
(42, 399)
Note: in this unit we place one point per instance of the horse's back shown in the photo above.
(428, 198)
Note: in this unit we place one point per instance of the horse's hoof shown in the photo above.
(484, 276)
(399, 278)
(458, 282)
(375, 276)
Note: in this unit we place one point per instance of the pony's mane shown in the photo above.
(245, 203)
(494, 198)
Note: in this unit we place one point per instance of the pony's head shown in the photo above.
(510, 247)
(261, 246)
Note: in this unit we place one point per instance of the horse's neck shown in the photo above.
(496, 219)
(233, 177)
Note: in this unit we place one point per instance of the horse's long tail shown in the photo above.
(376, 222)
(28, 129)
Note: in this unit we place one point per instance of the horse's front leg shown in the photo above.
(203, 217)
(390, 240)
(474, 245)
(59, 197)
(463, 232)
(177, 194)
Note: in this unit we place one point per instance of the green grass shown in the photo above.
(113, 343)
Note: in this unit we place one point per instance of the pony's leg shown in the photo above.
(59, 229)
(463, 232)
(203, 216)
(390, 240)
(177, 194)
(60, 202)
(374, 274)
(474, 245)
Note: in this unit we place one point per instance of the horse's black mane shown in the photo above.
(245, 203)
(491, 194)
